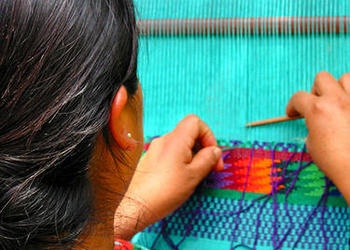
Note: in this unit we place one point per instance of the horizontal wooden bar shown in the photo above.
(245, 26)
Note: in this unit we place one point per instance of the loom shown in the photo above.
(232, 62)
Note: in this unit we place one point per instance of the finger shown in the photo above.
(191, 130)
(299, 103)
(325, 83)
(205, 160)
(344, 82)
(307, 143)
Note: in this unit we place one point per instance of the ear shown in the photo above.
(117, 123)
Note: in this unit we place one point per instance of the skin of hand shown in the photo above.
(169, 173)
(327, 116)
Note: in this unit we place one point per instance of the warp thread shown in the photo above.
(283, 181)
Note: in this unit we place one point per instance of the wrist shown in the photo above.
(131, 217)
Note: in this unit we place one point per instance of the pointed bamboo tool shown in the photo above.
(272, 120)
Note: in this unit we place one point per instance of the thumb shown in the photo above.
(205, 160)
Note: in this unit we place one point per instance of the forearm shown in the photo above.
(131, 217)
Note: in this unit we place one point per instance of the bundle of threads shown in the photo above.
(269, 195)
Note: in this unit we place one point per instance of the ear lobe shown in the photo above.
(116, 123)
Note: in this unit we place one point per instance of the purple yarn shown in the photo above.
(243, 192)
(323, 202)
(278, 237)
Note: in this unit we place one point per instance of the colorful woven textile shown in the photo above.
(126, 245)
(266, 198)
(270, 196)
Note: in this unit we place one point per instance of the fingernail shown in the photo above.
(220, 164)
(217, 151)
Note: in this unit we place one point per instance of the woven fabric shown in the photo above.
(230, 80)
(126, 245)
(151, 9)
(270, 196)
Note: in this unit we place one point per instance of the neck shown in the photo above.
(108, 188)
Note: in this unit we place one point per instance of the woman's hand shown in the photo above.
(327, 115)
(171, 170)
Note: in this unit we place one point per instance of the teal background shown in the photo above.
(152, 9)
(230, 80)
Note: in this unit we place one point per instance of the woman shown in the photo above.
(71, 130)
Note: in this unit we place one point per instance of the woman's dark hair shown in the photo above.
(61, 62)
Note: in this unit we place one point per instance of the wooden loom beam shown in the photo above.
(245, 26)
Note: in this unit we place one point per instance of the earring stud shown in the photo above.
(129, 135)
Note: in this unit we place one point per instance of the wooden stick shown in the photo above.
(272, 120)
(245, 26)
